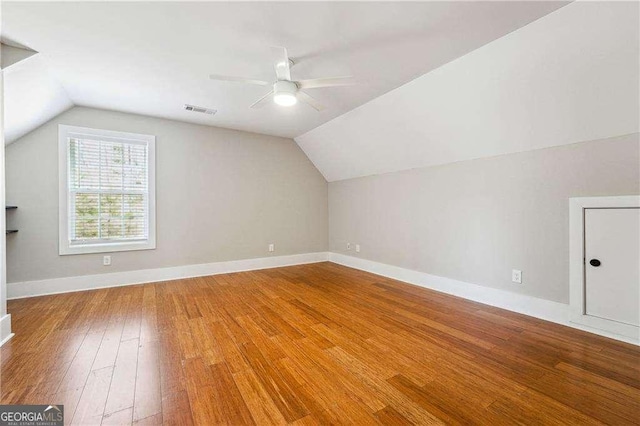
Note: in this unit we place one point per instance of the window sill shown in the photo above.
(106, 247)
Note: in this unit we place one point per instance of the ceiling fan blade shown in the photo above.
(262, 101)
(325, 82)
(310, 101)
(282, 64)
(238, 80)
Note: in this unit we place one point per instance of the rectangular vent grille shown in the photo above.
(199, 109)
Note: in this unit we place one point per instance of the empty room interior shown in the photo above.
(314, 213)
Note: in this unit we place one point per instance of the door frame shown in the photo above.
(577, 207)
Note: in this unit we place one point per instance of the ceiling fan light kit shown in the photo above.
(286, 92)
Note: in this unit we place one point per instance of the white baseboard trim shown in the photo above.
(19, 290)
(5, 329)
(528, 305)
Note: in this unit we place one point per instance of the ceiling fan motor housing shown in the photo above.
(284, 92)
(285, 87)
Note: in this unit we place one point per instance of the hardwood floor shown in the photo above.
(312, 344)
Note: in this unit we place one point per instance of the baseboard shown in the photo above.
(5, 329)
(523, 304)
(528, 305)
(19, 290)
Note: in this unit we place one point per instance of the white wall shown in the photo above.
(475, 221)
(570, 76)
(9, 55)
(5, 319)
(221, 195)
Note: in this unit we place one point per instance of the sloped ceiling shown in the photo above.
(152, 57)
(568, 77)
(32, 96)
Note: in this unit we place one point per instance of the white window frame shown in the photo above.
(65, 247)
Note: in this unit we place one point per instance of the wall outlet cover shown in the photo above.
(106, 260)
(357, 248)
(272, 247)
(516, 276)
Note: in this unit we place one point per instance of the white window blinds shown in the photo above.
(108, 190)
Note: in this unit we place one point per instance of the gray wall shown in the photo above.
(476, 220)
(220, 194)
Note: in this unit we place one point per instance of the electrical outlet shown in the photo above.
(106, 260)
(516, 276)
(272, 247)
(348, 246)
(357, 248)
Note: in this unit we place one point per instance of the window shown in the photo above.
(107, 191)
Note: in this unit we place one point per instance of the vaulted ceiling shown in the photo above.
(152, 57)
(569, 77)
(438, 82)
(32, 96)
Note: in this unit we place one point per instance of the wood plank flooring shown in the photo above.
(307, 345)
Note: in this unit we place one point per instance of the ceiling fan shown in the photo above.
(286, 92)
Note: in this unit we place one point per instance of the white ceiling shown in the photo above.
(151, 58)
(32, 96)
(569, 77)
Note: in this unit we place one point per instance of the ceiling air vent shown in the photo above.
(199, 109)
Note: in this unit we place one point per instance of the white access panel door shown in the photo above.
(612, 264)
